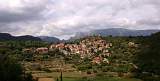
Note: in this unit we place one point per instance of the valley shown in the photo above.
(92, 58)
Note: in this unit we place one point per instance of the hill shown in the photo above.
(6, 36)
(115, 32)
(49, 39)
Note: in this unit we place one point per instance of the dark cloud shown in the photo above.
(7, 17)
(28, 13)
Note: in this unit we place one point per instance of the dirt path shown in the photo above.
(46, 79)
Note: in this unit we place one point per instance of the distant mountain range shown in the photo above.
(102, 32)
(6, 36)
(49, 39)
(115, 32)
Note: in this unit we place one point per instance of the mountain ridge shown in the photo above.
(49, 39)
(115, 32)
(7, 36)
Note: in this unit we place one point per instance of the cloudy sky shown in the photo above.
(63, 18)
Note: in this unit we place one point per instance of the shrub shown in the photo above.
(95, 71)
(89, 72)
(100, 74)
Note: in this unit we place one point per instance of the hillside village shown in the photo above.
(91, 56)
(79, 40)
(94, 48)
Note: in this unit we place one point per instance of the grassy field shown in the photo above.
(77, 76)
(101, 79)
(65, 74)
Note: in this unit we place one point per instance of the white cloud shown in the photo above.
(63, 18)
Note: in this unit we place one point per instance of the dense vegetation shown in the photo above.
(10, 56)
(11, 70)
(148, 58)
(141, 59)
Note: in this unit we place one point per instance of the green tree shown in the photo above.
(9, 69)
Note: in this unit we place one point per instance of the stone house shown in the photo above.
(42, 50)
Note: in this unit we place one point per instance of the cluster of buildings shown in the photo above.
(41, 50)
(91, 47)
(94, 48)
